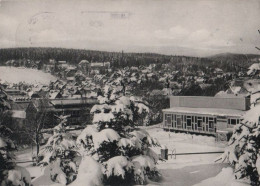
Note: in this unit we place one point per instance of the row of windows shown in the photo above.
(189, 119)
(206, 123)
(73, 120)
(71, 112)
(190, 122)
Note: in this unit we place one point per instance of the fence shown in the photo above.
(175, 154)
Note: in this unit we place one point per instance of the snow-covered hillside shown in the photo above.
(16, 75)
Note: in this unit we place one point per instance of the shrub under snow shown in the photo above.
(89, 173)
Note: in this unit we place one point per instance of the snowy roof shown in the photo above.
(62, 62)
(53, 95)
(206, 111)
(99, 64)
(73, 101)
(70, 78)
(223, 94)
(255, 66)
(19, 114)
(83, 61)
(19, 105)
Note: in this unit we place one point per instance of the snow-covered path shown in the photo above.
(184, 170)
(183, 142)
(190, 175)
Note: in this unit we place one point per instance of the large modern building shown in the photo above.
(207, 115)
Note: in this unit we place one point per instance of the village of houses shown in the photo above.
(75, 89)
(187, 123)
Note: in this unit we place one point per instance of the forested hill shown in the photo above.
(121, 59)
(74, 56)
(235, 60)
(234, 57)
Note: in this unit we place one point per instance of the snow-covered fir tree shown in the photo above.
(60, 154)
(120, 153)
(243, 151)
(10, 173)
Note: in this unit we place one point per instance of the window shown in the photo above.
(211, 119)
(174, 116)
(168, 119)
(233, 121)
(179, 120)
(199, 121)
(188, 121)
(211, 124)
(175, 122)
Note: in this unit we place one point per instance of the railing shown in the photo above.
(192, 153)
(175, 154)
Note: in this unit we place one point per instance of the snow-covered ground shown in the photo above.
(224, 178)
(186, 143)
(16, 75)
(187, 169)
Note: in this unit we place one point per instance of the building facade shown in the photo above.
(206, 115)
(77, 109)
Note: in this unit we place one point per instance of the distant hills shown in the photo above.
(76, 55)
(234, 57)
(121, 59)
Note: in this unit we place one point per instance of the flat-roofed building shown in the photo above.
(206, 115)
(78, 109)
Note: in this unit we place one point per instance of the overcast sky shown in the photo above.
(178, 27)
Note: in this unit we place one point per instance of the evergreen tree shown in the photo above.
(10, 173)
(243, 151)
(115, 143)
(60, 154)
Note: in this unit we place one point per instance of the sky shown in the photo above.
(174, 27)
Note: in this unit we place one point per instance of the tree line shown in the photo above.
(227, 62)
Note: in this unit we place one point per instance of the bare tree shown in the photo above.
(37, 115)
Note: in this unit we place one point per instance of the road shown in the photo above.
(190, 175)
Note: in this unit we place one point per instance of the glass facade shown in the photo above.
(197, 123)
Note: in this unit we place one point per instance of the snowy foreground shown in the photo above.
(16, 75)
(195, 169)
